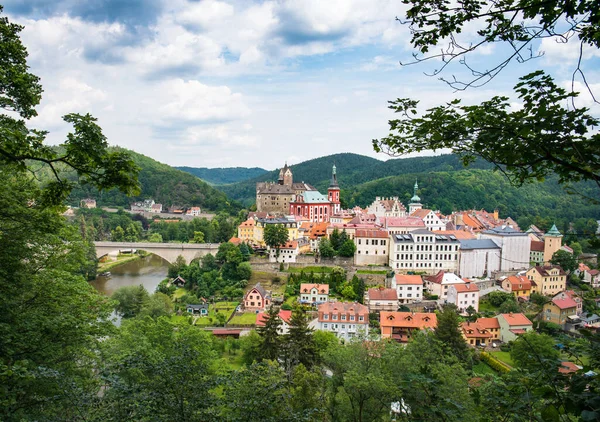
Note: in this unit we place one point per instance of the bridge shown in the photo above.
(167, 251)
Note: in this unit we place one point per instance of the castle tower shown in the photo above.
(552, 243)
(285, 176)
(333, 192)
(415, 201)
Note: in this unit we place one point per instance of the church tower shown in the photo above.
(415, 201)
(285, 176)
(552, 243)
(333, 192)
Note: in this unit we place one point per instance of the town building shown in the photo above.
(430, 218)
(346, 320)
(415, 201)
(287, 253)
(492, 325)
(382, 299)
(574, 296)
(246, 231)
(371, 247)
(552, 243)
(409, 288)
(201, 309)
(283, 316)
(315, 206)
(194, 211)
(276, 197)
(401, 326)
(156, 208)
(536, 254)
(387, 207)
(514, 247)
(512, 325)
(559, 310)
(518, 285)
(592, 277)
(88, 203)
(288, 222)
(439, 283)
(423, 250)
(476, 334)
(478, 257)
(257, 299)
(313, 293)
(400, 225)
(547, 280)
(143, 206)
(314, 232)
(464, 296)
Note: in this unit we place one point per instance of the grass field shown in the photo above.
(314, 269)
(483, 368)
(248, 318)
(504, 357)
(371, 272)
(266, 281)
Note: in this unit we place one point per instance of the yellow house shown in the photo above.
(246, 231)
(290, 224)
(559, 310)
(518, 285)
(547, 280)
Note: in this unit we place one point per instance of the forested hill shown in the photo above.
(222, 176)
(166, 185)
(352, 170)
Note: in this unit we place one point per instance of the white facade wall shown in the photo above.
(423, 252)
(515, 250)
(463, 299)
(285, 255)
(408, 293)
(371, 251)
(478, 262)
(345, 330)
(433, 222)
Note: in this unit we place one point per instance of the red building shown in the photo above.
(315, 206)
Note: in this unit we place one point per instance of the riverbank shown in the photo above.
(121, 259)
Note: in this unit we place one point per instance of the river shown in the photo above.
(147, 271)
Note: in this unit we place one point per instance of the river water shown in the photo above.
(147, 271)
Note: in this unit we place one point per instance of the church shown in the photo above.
(316, 207)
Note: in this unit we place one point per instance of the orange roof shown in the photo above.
(516, 319)
(420, 213)
(235, 240)
(537, 246)
(344, 307)
(261, 317)
(568, 368)
(321, 288)
(467, 287)
(289, 245)
(543, 270)
(519, 282)
(474, 330)
(248, 223)
(372, 233)
(418, 320)
(459, 234)
(382, 294)
(401, 222)
(565, 303)
(408, 279)
(488, 323)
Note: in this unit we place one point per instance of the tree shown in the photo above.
(299, 346)
(177, 267)
(157, 305)
(275, 236)
(269, 333)
(548, 135)
(533, 351)
(336, 239)
(567, 261)
(448, 332)
(325, 248)
(347, 248)
(155, 238)
(118, 234)
(130, 300)
(244, 271)
(198, 237)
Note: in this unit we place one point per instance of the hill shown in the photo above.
(222, 176)
(164, 184)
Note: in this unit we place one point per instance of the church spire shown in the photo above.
(415, 197)
(334, 182)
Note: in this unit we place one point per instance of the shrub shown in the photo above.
(505, 347)
(286, 307)
(494, 363)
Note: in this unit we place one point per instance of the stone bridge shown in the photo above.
(167, 251)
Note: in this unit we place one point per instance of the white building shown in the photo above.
(515, 247)
(401, 225)
(478, 258)
(440, 283)
(387, 207)
(463, 296)
(430, 218)
(287, 253)
(423, 250)
(382, 299)
(372, 247)
(314, 293)
(194, 211)
(346, 320)
(408, 287)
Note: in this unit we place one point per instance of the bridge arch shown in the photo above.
(168, 251)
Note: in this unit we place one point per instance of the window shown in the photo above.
(325, 316)
(324, 325)
(361, 318)
(351, 317)
(334, 317)
(343, 326)
(343, 318)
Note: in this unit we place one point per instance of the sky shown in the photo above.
(245, 83)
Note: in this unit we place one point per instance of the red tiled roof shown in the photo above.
(467, 287)
(537, 246)
(401, 222)
(343, 307)
(381, 234)
(261, 317)
(568, 368)
(235, 240)
(408, 279)
(459, 234)
(382, 294)
(420, 213)
(518, 331)
(488, 323)
(516, 319)
(474, 330)
(519, 282)
(565, 303)
(321, 288)
(543, 270)
(407, 319)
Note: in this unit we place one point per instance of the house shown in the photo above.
(591, 321)
(246, 231)
(346, 320)
(559, 310)
(88, 203)
(142, 206)
(178, 281)
(387, 207)
(424, 250)
(284, 317)
(288, 222)
(512, 325)
(492, 325)
(518, 285)
(581, 268)
(571, 294)
(400, 225)
(401, 325)
(438, 284)
(257, 299)
(194, 211)
(478, 257)
(515, 247)
(464, 296)
(476, 334)
(201, 309)
(156, 208)
(592, 277)
(382, 299)
(536, 254)
(314, 232)
(287, 253)
(371, 247)
(547, 280)
(313, 293)
(430, 218)
(409, 288)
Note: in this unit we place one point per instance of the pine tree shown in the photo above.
(269, 333)
(448, 332)
(300, 347)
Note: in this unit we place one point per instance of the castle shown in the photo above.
(275, 198)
